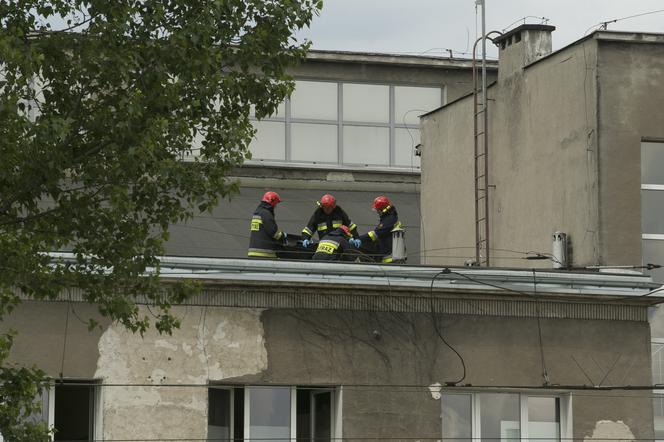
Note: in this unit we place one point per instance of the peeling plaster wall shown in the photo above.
(354, 348)
(606, 431)
(212, 343)
(349, 348)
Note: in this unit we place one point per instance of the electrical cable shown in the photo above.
(603, 24)
(582, 390)
(434, 321)
(64, 344)
(545, 373)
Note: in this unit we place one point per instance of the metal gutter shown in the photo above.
(467, 279)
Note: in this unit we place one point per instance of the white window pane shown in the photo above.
(499, 417)
(316, 143)
(653, 253)
(652, 163)
(269, 142)
(280, 113)
(456, 417)
(658, 411)
(367, 145)
(657, 354)
(411, 102)
(315, 100)
(544, 419)
(269, 414)
(652, 211)
(366, 103)
(405, 141)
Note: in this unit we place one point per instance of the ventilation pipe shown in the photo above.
(559, 257)
(398, 245)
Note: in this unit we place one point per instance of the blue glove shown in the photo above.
(305, 243)
(355, 243)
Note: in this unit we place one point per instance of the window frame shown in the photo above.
(564, 401)
(336, 398)
(646, 236)
(288, 120)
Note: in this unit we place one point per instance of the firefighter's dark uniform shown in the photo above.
(381, 235)
(323, 224)
(265, 235)
(333, 247)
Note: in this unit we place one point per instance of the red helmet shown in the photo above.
(380, 203)
(328, 201)
(272, 198)
(346, 230)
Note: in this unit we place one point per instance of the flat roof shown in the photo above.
(395, 59)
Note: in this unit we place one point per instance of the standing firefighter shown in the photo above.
(379, 239)
(327, 217)
(335, 246)
(266, 237)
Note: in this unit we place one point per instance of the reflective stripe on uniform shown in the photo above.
(352, 227)
(278, 235)
(327, 246)
(387, 259)
(322, 226)
(372, 235)
(397, 225)
(307, 231)
(386, 209)
(256, 222)
(262, 253)
(337, 223)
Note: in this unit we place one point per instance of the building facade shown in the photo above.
(576, 145)
(317, 351)
(350, 129)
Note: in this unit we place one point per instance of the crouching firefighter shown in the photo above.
(379, 240)
(327, 217)
(335, 246)
(266, 237)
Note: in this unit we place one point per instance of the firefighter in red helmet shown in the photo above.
(327, 217)
(265, 237)
(380, 238)
(335, 246)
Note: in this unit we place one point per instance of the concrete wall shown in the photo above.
(542, 167)
(631, 99)
(447, 195)
(384, 349)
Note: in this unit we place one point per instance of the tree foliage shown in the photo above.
(99, 102)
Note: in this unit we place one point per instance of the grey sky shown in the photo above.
(416, 26)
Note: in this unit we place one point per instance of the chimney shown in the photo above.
(521, 46)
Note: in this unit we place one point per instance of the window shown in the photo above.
(652, 202)
(502, 417)
(70, 409)
(657, 351)
(273, 413)
(74, 412)
(354, 124)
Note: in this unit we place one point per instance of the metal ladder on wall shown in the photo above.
(481, 142)
(481, 178)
